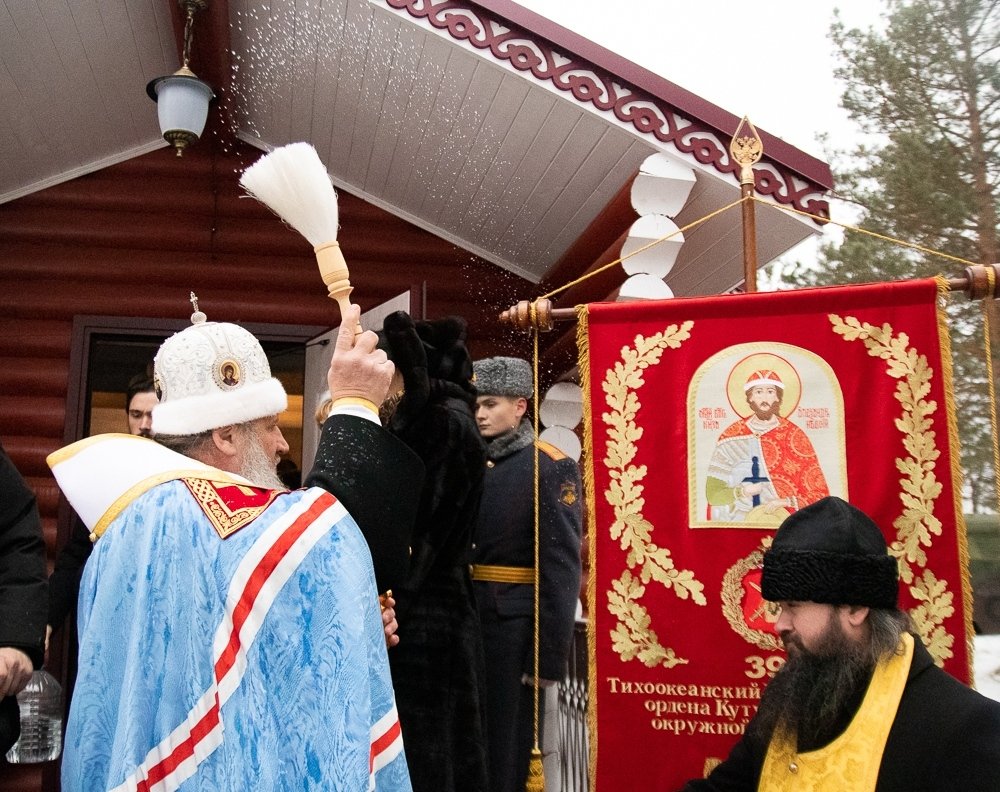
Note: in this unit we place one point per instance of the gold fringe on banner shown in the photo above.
(583, 365)
(955, 452)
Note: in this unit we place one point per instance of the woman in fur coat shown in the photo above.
(437, 668)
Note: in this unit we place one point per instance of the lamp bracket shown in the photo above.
(189, 7)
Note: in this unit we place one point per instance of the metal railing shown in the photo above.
(573, 737)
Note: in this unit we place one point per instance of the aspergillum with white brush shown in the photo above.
(294, 184)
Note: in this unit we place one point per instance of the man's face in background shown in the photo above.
(824, 678)
(140, 414)
(498, 414)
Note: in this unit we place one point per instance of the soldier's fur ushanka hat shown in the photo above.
(830, 552)
(504, 376)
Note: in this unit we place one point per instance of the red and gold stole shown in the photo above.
(229, 507)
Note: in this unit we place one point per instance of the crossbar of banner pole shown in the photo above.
(976, 282)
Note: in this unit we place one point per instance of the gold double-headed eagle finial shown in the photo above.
(746, 149)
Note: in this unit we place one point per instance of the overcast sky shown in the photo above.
(777, 70)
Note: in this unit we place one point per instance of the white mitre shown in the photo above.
(212, 374)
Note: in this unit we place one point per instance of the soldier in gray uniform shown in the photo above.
(503, 564)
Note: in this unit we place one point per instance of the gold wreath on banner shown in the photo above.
(633, 636)
(917, 525)
(733, 595)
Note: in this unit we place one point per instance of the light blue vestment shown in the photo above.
(254, 662)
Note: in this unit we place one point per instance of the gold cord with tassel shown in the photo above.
(989, 307)
(536, 771)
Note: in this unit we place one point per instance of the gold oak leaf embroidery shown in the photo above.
(633, 636)
(936, 605)
(916, 526)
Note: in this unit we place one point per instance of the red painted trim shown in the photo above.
(688, 103)
(609, 92)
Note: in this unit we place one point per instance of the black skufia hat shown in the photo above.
(830, 552)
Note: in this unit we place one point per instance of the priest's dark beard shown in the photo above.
(811, 699)
(257, 466)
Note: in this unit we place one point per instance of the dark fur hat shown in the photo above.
(830, 552)
(427, 350)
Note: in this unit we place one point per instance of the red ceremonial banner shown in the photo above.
(708, 422)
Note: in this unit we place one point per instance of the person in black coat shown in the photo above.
(504, 560)
(860, 703)
(437, 668)
(23, 593)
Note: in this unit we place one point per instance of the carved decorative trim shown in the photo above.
(526, 52)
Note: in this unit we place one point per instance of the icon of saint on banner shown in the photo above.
(768, 435)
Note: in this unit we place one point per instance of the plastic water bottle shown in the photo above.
(41, 720)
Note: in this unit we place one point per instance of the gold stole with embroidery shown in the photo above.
(852, 760)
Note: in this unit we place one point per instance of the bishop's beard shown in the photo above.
(812, 698)
(257, 466)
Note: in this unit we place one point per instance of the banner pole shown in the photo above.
(749, 213)
(976, 282)
(746, 149)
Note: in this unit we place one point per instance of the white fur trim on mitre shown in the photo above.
(190, 415)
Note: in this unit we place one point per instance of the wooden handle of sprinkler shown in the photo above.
(333, 270)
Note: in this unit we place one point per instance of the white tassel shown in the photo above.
(293, 182)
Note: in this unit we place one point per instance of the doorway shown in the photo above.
(113, 361)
